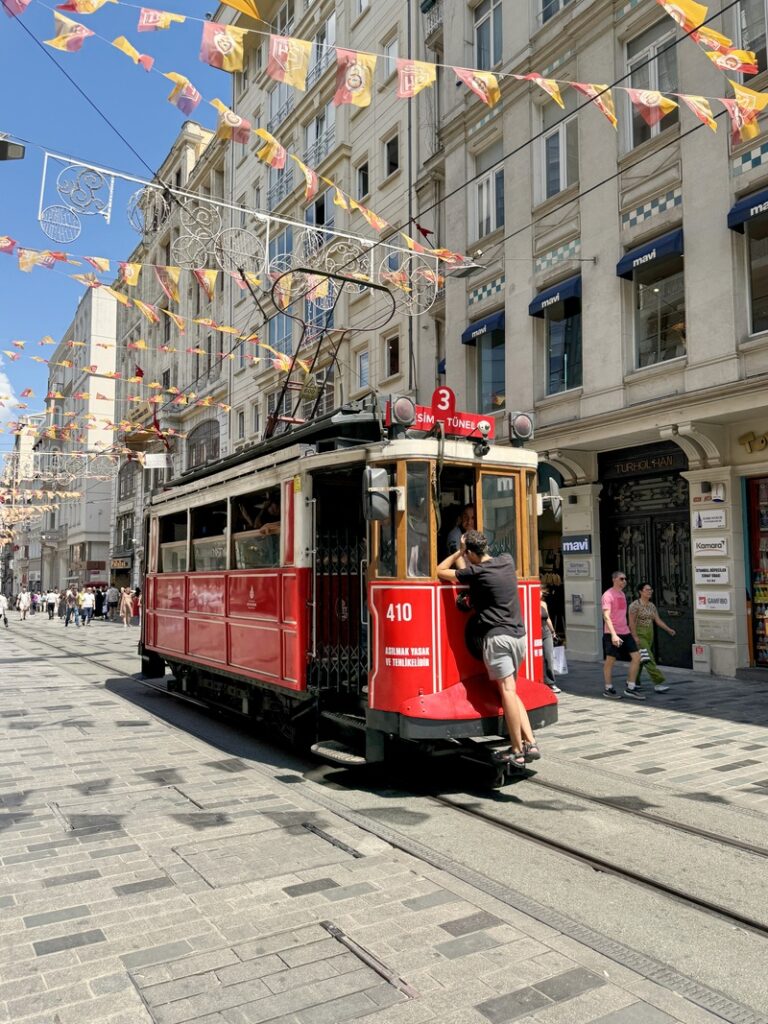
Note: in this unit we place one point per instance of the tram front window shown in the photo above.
(499, 514)
(417, 538)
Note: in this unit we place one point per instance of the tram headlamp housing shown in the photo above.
(520, 428)
(403, 410)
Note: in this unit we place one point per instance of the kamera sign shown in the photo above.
(704, 545)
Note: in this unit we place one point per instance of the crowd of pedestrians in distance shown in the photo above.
(79, 604)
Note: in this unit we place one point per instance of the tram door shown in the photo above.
(340, 614)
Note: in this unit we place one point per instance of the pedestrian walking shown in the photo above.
(98, 608)
(548, 637)
(618, 641)
(643, 615)
(4, 609)
(62, 603)
(51, 600)
(113, 598)
(126, 607)
(23, 603)
(492, 583)
(87, 606)
(34, 601)
(136, 605)
(72, 608)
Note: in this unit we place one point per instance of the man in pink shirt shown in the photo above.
(618, 642)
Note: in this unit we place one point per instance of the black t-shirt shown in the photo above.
(493, 589)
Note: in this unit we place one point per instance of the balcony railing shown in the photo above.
(280, 115)
(326, 58)
(433, 20)
(321, 147)
(281, 188)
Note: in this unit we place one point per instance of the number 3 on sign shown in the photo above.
(399, 612)
(443, 403)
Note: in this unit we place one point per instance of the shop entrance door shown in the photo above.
(646, 532)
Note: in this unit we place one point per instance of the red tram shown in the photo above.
(294, 583)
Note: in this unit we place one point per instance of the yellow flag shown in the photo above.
(699, 105)
(70, 35)
(245, 7)
(549, 85)
(748, 99)
(289, 60)
(129, 273)
(122, 299)
(354, 77)
(272, 153)
(222, 46)
(122, 44)
(84, 6)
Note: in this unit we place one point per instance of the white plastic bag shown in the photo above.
(559, 664)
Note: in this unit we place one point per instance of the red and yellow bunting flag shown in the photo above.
(122, 44)
(84, 6)
(231, 125)
(27, 393)
(70, 35)
(98, 263)
(711, 40)
(699, 105)
(7, 244)
(482, 84)
(184, 95)
(651, 105)
(310, 178)
(748, 99)
(549, 85)
(14, 8)
(31, 258)
(89, 280)
(413, 76)
(246, 279)
(354, 77)
(687, 13)
(412, 244)
(146, 310)
(289, 60)
(129, 273)
(447, 256)
(601, 97)
(245, 7)
(272, 153)
(168, 279)
(222, 46)
(744, 124)
(374, 220)
(122, 299)
(140, 345)
(207, 281)
(151, 20)
(735, 60)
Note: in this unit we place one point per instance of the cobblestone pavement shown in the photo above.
(146, 877)
(706, 736)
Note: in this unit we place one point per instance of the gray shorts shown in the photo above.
(503, 655)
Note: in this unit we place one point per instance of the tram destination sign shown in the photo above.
(443, 410)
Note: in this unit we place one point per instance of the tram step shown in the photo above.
(350, 721)
(339, 753)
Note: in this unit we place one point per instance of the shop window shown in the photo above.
(659, 311)
(757, 251)
(173, 543)
(652, 66)
(490, 372)
(209, 537)
(256, 530)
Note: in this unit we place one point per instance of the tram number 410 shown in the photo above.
(399, 612)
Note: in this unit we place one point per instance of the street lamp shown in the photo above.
(11, 150)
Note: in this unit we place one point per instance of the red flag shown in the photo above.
(482, 84)
(354, 77)
(651, 105)
(743, 122)
(13, 8)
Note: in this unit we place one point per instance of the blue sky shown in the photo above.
(38, 103)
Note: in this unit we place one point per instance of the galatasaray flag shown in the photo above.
(412, 244)
(222, 46)
(70, 35)
(289, 60)
(98, 263)
(734, 60)
(231, 125)
(122, 44)
(354, 77)
(310, 177)
(84, 6)
(13, 8)
(129, 273)
(7, 244)
(701, 108)
(686, 13)
(245, 7)
(651, 105)
(482, 84)
(168, 279)
(744, 124)
(150, 312)
(601, 97)
(374, 220)
(711, 40)
(748, 99)
(118, 296)
(413, 76)
(272, 153)
(207, 281)
(184, 95)
(151, 20)
(549, 85)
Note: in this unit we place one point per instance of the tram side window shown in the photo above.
(256, 530)
(173, 543)
(499, 515)
(386, 563)
(209, 537)
(417, 536)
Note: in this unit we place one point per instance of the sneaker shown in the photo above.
(631, 691)
(660, 688)
(638, 686)
(610, 692)
(555, 689)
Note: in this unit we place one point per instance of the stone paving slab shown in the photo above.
(160, 882)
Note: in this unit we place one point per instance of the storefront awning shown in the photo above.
(755, 205)
(569, 289)
(668, 245)
(495, 322)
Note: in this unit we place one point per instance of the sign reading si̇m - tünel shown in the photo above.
(443, 409)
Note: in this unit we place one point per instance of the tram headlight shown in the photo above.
(403, 410)
(520, 428)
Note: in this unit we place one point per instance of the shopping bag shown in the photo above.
(559, 664)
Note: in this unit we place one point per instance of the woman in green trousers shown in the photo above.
(643, 615)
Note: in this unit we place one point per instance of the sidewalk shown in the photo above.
(148, 879)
